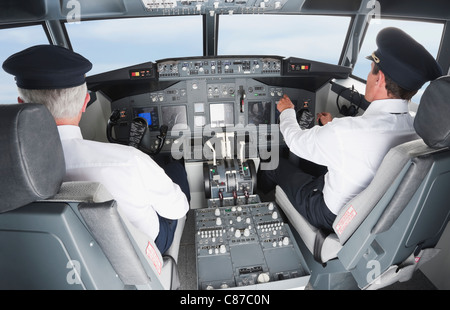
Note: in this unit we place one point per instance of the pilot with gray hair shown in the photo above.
(352, 148)
(55, 76)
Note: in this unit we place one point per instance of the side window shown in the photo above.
(12, 41)
(427, 34)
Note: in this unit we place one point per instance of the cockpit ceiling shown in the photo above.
(26, 11)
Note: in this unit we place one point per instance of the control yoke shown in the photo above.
(138, 129)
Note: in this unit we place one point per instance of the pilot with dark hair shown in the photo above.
(55, 76)
(352, 148)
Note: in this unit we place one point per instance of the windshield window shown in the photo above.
(427, 34)
(113, 44)
(12, 41)
(319, 38)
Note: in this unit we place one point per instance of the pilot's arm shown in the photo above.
(166, 197)
(319, 144)
(142, 189)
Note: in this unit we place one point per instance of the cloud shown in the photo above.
(17, 36)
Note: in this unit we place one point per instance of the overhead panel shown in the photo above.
(215, 6)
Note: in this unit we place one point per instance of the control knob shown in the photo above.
(275, 215)
(263, 278)
(237, 233)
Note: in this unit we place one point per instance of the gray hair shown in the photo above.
(62, 103)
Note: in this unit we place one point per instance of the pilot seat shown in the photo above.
(391, 228)
(56, 235)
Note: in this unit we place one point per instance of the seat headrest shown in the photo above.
(432, 119)
(31, 159)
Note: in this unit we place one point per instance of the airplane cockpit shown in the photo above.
(215, 113)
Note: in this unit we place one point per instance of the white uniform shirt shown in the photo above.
(140, 187)
(351, 147)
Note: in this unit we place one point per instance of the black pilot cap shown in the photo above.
(404, 60)
(47, 67)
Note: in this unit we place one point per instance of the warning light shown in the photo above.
(142, 73)
(299, 67)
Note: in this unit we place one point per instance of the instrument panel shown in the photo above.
(198, 108)
(197, 99)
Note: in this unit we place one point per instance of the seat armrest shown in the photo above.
(106, 226)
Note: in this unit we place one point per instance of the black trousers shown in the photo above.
(167, 229)
(304, 191)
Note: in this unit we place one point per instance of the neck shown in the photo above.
(75, 121)
(383, 96)
(64, 121)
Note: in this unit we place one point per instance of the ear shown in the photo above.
(86, 100)
(381, 79)
(20, 100)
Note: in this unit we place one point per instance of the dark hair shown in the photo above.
(393, 89)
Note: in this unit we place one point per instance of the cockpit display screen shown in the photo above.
(174, 115)
(259, 112)
(150, 114)
(221, 114)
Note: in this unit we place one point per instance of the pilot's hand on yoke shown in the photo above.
(324, 118)
(285, 103)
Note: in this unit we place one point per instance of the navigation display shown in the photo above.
(150, 114)
(174, 115)
(259, 112)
